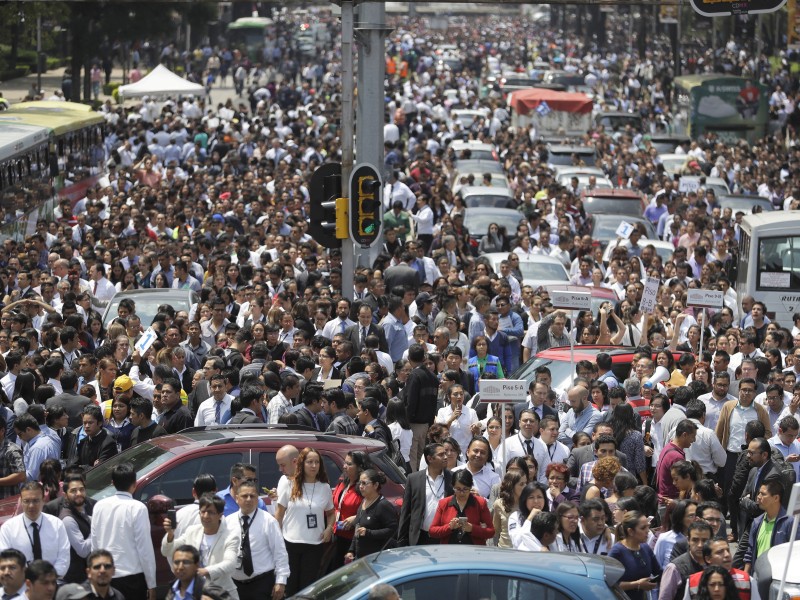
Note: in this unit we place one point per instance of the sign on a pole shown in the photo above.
(571, 300)
(504, 390)
(713, 8)
(705, 298)
(650, 294)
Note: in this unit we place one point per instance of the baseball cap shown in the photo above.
(72, 591)
(123, 383)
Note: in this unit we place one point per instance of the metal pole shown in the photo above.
(503, 439)
(371, 31)
(188, 37)
(39, 53)
(703, 331)
(348, 257)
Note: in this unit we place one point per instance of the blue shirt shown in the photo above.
(37, 450)
(572, 423)
(230, 503)
(176, 589)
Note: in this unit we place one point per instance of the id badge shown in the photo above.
(311, 521)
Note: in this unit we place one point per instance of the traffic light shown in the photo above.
(325, 188)
(365, 205)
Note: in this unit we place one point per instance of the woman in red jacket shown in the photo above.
(464, 517)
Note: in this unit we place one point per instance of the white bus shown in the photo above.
(769, 263)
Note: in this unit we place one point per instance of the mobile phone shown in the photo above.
(462, 520)
(172, 515)
(655, 578)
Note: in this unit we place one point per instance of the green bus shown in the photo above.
(248, 35)
(733, 107)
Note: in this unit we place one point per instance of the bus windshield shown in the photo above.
(778, 263)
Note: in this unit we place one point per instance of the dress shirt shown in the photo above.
(595, 545)
(555, 453)
(459, 428)
(121, 525)
(572, 423)
(8, 382)
(278, 406)
(706, 449)
(740, 417)
(483, 479)
(516, 446)
(103, 289)
(519, 530)
(334, 326)
(81, 545)
(186, 517)
(433, 493)
(793, 448)
(19, 595)
(713, 408)
(266, 546)
(17, 533)
(36, 451)
(207, 411)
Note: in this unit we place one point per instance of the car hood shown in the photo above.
(8, 508)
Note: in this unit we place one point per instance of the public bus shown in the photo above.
(769, 263)
(248, 35)
(66, 158)
(732, 107)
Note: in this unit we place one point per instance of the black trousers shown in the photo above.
(132, 587)
(256, 588)
(304, 561)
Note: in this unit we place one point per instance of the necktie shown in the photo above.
(247, 555)
(95, 289)
(344, 326)
(363, 335)
(37, 542)
(217, 412)
(528, 447)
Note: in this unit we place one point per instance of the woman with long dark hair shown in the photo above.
(716, 583)
(683, 515)
(630, 439)
(511, 488)
(346, 499)
(569, 537)
(635, 555)
(464, 517)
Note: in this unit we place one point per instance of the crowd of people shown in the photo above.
(216, 200)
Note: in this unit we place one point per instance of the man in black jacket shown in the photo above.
(420, 394)
(423, 491)
(250, 398)
(369, 419)
(312, 405)
(76, 515)
(97, 444)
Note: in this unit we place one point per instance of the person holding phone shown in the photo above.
(641, 567)
(464, 517)
(462, 420)
(376, 520)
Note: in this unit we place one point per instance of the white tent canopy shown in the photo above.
(160, 82)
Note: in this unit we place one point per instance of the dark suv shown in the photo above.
(167, 466)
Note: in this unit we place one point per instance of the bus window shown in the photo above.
(778, 263)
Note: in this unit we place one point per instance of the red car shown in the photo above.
(167, 466)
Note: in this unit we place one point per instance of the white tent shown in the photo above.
(160, 82)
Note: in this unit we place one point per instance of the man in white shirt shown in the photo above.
(101, 288)
(524, 443)
(596, 538)
(341, 322)
(706, 450)
(121, 525)
(264, 562)
(479, 465)
(217, 409)
(786, 441)
(423, 491)
(12, 574)
(556, 452)
(37, 535)
(717, 398)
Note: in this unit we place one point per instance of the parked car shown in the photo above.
(147, 303)
(603, 228)
(536, 270)
(166, 467)
(623, 203)
(499, 180)
(718, 184)
(473, 573)
(673, 163)
(485, 196)
(737, 202)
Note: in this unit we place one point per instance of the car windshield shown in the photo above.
(559, 369)
(144, 459)
(616, 122)
(147, 308)
(500, 201)
(478, 224)
(538, 271)
(745, 204)
(565, 158)
(617, 206)
(340, 582)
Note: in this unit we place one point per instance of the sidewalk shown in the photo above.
(15, 90)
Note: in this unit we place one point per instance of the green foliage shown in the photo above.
(109, 89)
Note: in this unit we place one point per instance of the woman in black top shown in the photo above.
(376, 520)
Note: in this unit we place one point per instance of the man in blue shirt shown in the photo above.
(581, 416)
(239, 472)
(38, 447)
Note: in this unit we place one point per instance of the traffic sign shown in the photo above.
(572, 300)
(504, 390)
(365, 205)
(714, 8)
(705, 298)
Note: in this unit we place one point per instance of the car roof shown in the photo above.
(214, 435)
(485, 190)
(613, 193)
(574, 148)
(500, 212)
(555, 565)
(465, 166)
(536, 258)
(585, 352)
(596, 292)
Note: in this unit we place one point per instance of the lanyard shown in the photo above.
(440, 494)
(313, 491)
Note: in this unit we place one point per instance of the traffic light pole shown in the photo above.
(348, 254)
(371, 31)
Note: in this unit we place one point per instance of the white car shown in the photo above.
(536, 270)
(673, 163)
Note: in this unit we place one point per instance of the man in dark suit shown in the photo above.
(401, 275)
(312, 405)
(356, 334)
(69, 399)
(250, 398)
(763, 468)
(424, 488)
(420, 394)
(537, 393)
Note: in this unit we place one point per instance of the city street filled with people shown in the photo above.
(175, 301)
